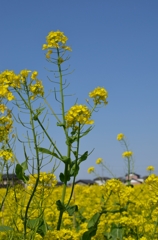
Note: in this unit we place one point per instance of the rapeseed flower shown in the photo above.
(6, 155)
(150, 168)
(2, 108)
(24, 73)
(99, 160)
(127, 154)
(78, 114)
(90, 169)
(36, 89)
(34, 75)
(99, 95)
(49, 53)
(120, 136)
(55, 40)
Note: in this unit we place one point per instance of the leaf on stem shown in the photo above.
(72, 209)
(38, 225)
(5, 228)
(19, 170)
(92, 227)
(83, 157)
(60, 206)
(47, 151)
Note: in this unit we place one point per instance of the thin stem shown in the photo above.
(77, 153)
(62, 96)
(44, 130)
(38, 162)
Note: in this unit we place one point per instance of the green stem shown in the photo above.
(38, 162)
(7, 190)
(44, 130)
(129, 163)
(129, 182)
(108, 170)
(62, 95)
(68, 144)
(77, 152)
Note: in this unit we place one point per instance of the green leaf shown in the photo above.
(86, 132)
(80, 216)
(74, 170)
(19, 170)
(72, 209)
(26, 158)
(33, 223)
(62, 177)
(70, 140)
(38, 112)
(60, 206)
(24, 165)
(75, 153)
(89, 234)
(94, 220)
(5, 228)
(47, 151)
(65, 159)
(60, 124)
(38, 225)
(92, 227)
(117, 232)
(83, 157)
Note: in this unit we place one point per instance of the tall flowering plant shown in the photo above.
(25, 90)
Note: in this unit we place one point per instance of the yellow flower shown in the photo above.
(24, 73)
(6, 155)
(34, 75)
(99, 95)
(99, 160)
(90, 169)
(78, 113)
(120, 136)
(48, 53)
(127, 154)
(37, 89)
(2, 108)
(150, 168)
(10, 96)
(56, 40)
(44, 47)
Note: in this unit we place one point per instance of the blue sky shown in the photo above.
(115, 45)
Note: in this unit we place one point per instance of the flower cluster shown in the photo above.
(120, 136)
(127, 154)
(8, 79)
(99, 95)
(90, 169)
(78, 114)
(123, 209)
(150, 168)
(45, 179)
(6, 155)
(2, 108)
(55, 40)
(36, 89)
(24, 74)
(6, 123)
(152, 179)
(99, 161)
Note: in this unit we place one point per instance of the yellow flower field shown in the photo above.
(131, 212)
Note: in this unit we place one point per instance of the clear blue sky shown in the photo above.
(115, 45)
